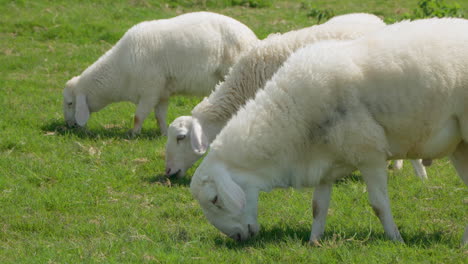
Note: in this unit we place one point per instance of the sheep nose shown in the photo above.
(71, 124)
(251, 232)
(170, 172)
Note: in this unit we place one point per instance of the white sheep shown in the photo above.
(337, 106)
(189, 136)
(187, 54)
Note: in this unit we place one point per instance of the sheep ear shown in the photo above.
(198, 139)
(82, 110)
(231, 193)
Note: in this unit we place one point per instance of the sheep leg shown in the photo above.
(419, 169)
(375, 178)
(251, 211)
(465, 237)
(398, 164)
(320, 204)
(460, 161)
(143, 109)
(160, 114)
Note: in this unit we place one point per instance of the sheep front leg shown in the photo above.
(375, 177)
(320, 204)
(459, 160)
(251, 211)
(160, 114)
(143, 109)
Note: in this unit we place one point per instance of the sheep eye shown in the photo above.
(215, 199)
(180, 137)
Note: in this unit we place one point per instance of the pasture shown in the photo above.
(97, 196)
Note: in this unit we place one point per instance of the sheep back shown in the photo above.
(376, 94)
(260, 63)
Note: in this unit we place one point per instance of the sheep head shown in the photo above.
(228, 206)
(75, 106)
(186, 143)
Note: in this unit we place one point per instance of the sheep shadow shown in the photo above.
(163, 180)
(351, 178)
(58, 127)
(331, 239)
(355, 177)
(264, 238)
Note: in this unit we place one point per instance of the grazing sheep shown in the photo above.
(187, 54)
(189, 136)
(334, 107)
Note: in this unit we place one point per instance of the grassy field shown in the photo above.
(96, 196)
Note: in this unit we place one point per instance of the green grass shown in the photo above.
(71, 196)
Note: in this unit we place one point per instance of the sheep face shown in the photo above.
(229, 207)
(69, 103)
(75, 106)
(184, 145)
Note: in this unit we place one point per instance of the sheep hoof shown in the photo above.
(315, 243)
(398, 239)
(131, 134)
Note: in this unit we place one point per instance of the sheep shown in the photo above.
(337, 106)
(189, 136)
(187, 54)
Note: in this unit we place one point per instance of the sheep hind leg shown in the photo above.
(459, 160)
(320, 204)
(142, 111)
(397, 164)
(375, 177)
(160, 112)
(419, 169)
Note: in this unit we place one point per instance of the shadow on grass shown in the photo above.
(163, 180)
(60, 128)
(265, 237)
(330, 239)
(352, 178)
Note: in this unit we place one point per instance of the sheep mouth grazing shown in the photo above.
(251, 232)
(173, 174)
(239, 238)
